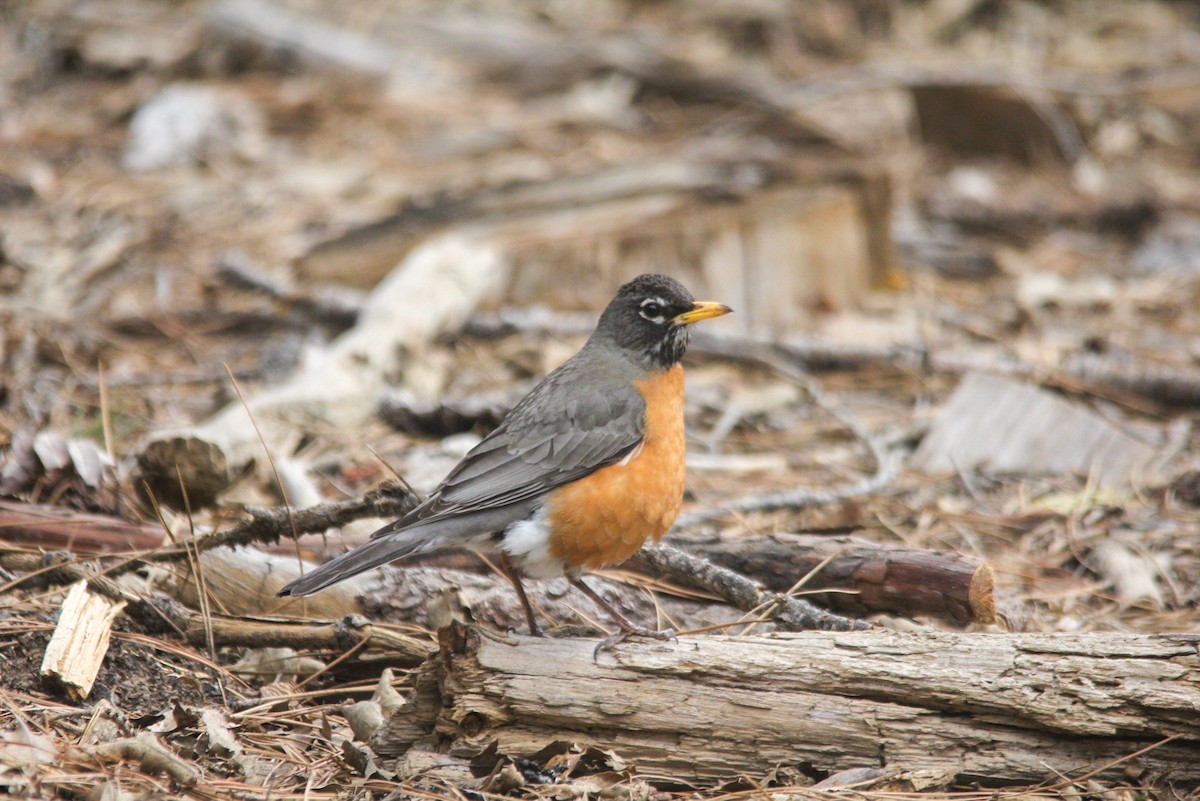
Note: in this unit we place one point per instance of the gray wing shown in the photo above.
(569, 426)
(572, 424)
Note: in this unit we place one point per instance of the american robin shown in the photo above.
(586, 468)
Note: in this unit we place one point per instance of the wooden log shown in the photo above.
(989, 707)
(53, 527)
(882, 578)
(80, 640)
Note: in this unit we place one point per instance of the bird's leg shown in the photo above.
(515, 577)
(625, 625)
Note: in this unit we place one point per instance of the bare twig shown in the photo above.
(348, 633)
(791, 614)
(264, 525)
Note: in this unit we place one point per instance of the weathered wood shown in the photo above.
(439, 284)
(775, 238)
(1001, 707)
(246, 581)
(1017, 427)
(881, 578)
(76, 649)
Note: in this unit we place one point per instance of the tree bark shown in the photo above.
(990, 707)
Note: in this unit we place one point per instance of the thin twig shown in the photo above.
(264, 525)
(287, 503)
(791, 614)
(791, 593)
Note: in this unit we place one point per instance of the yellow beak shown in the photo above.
(702, 310)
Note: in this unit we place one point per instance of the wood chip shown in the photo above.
(80, 641)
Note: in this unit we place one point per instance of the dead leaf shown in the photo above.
(24, 748)
(219, 730)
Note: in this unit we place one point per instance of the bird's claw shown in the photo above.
(612, 641)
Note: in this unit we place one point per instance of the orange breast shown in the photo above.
(605, 518)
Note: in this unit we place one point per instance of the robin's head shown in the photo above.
(651, 318)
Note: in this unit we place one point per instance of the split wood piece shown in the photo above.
(402, 649)
(881, 578)
(1018, 427)
(51, 527)
(989, 707)
(80, 641)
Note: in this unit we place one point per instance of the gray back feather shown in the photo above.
(575, 421)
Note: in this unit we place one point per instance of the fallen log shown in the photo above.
(989, 707)
(875, 577)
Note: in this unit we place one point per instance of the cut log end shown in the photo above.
(981, 594)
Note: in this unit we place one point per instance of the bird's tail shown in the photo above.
(370, 554)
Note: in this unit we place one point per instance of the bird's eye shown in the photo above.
(653, 309)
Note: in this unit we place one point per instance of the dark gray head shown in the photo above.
(651, 318)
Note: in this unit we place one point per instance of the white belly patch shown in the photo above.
(527, 543)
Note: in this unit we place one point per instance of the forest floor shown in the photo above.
(176, 188)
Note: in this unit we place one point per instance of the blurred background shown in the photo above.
(961, 237)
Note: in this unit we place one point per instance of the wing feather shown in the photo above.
(573, 423)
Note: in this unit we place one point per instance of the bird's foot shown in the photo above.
(624, 633)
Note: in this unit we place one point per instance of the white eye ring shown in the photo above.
(652, 310)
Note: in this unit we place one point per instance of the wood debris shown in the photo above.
(268, 269)
(80, 641)
(1013, 427)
